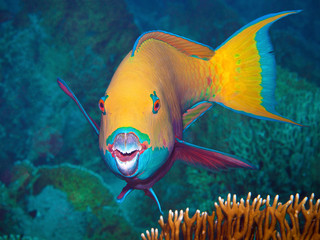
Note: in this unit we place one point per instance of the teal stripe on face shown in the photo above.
(142, 136)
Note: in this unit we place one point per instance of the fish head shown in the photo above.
(136, 135)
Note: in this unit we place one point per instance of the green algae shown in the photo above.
(85, 190)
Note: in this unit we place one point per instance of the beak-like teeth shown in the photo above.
(126, 143)
(126, 150)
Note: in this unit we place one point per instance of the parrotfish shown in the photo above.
(164, 84)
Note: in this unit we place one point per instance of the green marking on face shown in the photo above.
(142, 136)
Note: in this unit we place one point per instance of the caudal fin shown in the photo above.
(245, 68)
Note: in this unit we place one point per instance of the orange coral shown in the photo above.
(244, 220)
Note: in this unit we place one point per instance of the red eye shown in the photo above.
(101, 105)
(156, 105)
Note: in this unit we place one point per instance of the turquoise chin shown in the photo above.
(129, 154)
(151, 163)
(111, 163)
(148, 163)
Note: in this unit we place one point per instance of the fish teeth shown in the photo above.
(126, 151)
(129, 146)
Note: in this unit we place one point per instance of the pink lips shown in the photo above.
(126, 150)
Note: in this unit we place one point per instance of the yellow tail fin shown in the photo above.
(245, 70)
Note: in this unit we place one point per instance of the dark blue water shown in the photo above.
(54, 184)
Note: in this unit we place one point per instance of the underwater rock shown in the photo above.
(60, 202)
(50, 209)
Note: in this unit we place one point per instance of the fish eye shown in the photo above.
(156, 102)
(156, 105)
(101, 103)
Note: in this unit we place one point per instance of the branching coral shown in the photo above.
(259, 219)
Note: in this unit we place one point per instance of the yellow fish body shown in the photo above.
(167, 82)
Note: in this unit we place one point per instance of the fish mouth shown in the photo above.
(126, 150)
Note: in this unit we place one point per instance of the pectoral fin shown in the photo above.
(207, 158)
(64, 86)
(124, 193)
(195, 112)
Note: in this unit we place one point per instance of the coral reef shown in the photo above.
(60, 202)
(80, 41)
(259, 219)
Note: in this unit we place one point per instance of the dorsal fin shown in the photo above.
(184, 45)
